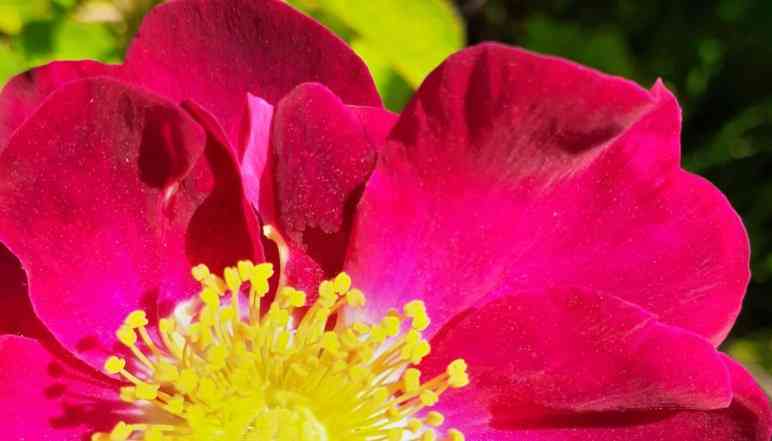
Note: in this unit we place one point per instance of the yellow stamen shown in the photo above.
(273, 373)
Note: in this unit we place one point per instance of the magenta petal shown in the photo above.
(45, 398)
(224, 228)
(323, 151)
(532, 355)
(314, 123)
(321, 156)
(221, 226)
(87, 200)
(376, 122)
(511, 171)
(255, 157)
(16, 314)
(746, 419)
(750, 415)
(215, 51)
(24, 93)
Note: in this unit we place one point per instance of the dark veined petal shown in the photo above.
(216, 51)
(88, 203)
(16, 314)
(221, 226)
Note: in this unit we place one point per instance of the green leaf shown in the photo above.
(27, 10)
(11, 63)
(74, 41)
(414, 36)
(391, 86)
(36, 41)
(401, 40)
(67, 4)
(15, 13)
(10, 19)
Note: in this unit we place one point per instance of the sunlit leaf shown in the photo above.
(11, 63)
(392, 87)
(414, 36)
(401, 40)
(10, 19)
(75, 40)
(27, 10)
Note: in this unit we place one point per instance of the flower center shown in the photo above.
(235, 367)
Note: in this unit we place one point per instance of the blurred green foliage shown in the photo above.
(401, 40)
(34, 32)
(716, 55)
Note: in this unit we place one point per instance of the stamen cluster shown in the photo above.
(243, 368)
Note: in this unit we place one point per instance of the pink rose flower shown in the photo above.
(578, 280)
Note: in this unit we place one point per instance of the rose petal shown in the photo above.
(16, 315)
(87, 204)
(564, 350)
(746, 419)
(215, 51)
(24, 92)
(512, 171)
(750, 414)
(323, 151)
(376, 122)
(44, 397)
(222, 227)
(254, 154)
